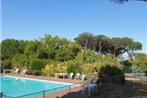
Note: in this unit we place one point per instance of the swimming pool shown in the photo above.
(17, 86)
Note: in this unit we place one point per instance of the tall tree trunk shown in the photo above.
(100, 47)
(129, 54)
(86, 44)
(114, 53)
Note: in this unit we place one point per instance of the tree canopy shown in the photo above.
(105, 45)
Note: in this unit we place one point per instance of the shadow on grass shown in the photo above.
(77, 94)
(130, 89)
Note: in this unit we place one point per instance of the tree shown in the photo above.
(67, 52)
(10, 47)
(140, 56)
(31, 48)
(91, 56)
(52, 44)
(86, 40)
(105, 45)
(118, 47)
(130, 46)
(20, 60)
(100, 42)
(122, 1)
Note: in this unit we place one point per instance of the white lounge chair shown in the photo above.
(23, 72)
(82, 77)
(71, 75)
(78, 75)
(16, 71)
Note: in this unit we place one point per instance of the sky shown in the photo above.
(32, 19)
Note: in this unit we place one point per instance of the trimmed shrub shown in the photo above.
(37, 65)
(108, 71)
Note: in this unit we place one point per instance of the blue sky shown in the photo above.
(31, 19)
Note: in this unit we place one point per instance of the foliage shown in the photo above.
(109, 71)
(120, 1)
(110, 60)
(51, 69)
(6, 64)
(140, 62)
(123, 1)
(88, 68)
(91, 56)
(52, 44)
(62, 67)
(104, 45)
(101, 43)
(126, 69)
(37, 64)
(126, 63)
(67, 52)
(86, 40)
(73, 66)
(31, 49)
(87, 54)
(20, 60)
(10, 47)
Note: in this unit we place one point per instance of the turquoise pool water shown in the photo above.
(15, 86)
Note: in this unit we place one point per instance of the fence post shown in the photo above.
(43, 94)
(1, 94)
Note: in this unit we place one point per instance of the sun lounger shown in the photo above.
(23, 72)
(78, 75)
(71, 75)
(16, 71)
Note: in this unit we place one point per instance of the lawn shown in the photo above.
(133, 88)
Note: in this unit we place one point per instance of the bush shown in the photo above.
(126, 69)
(51, 69)
(110, 71)
(126, 63)
(6, 64)
(87, 68)
(20, 60)
(140, 63)
(37, 65)
(145, 72)
(73, 66)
